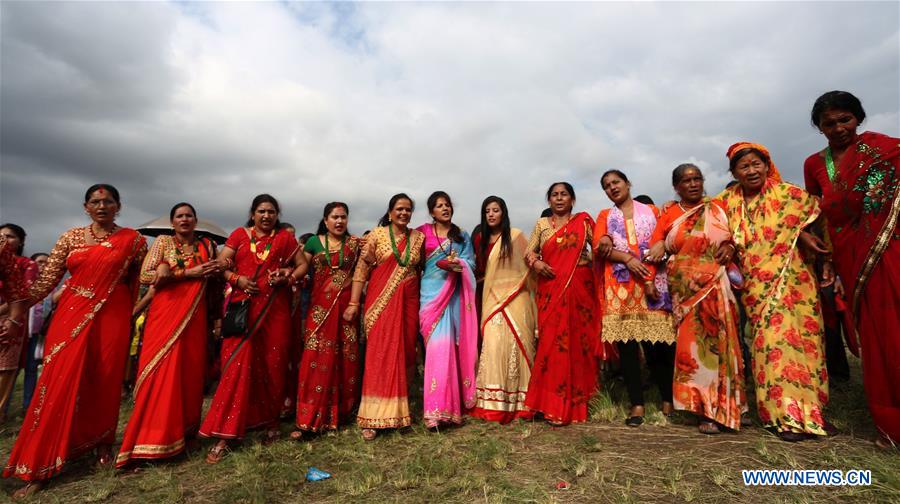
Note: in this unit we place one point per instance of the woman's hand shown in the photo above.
(543, 269)
(651, 291)
(838, 287)
(812, 244)
(351, 312)
(450, 265)
(8, 331)
(656, 252)
(725, 253)
(604, 247)
(637, 267)
(247, 285)
(163, 274)
(828, 276)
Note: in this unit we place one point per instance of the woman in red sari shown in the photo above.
(11, 353)
(258, 261)
(564, 373)
(857, 176)
(328, 381)
(168, 392)
(76, 406)
(390, 262)
(14, 294)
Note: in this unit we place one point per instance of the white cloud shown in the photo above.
(216, 102)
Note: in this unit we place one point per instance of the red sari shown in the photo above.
(328, 381)
(862, 205)
(76, 405)
(168, 393)
(564, 374)
(392, 325)
(252, 388)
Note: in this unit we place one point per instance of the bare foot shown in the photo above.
(884, 443)
(667, 408)
(369, 434)
(28, 490)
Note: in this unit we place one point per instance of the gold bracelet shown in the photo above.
(352, 304)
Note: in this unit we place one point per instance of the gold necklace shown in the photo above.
(98, 239)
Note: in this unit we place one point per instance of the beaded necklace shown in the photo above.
(405, 261)
(340, 263)
(97, 239)
(260, 257)
(181, 257)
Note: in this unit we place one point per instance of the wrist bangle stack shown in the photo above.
(20, 324)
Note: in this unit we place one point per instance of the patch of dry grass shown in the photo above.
(600, 461)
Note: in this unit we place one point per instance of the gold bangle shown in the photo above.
(352, 304)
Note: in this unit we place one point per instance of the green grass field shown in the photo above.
(601, 461)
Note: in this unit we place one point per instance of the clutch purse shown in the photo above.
(235, 321)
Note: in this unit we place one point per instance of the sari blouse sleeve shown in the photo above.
(56, 264)
(600, 229)
(12, 279)
(157, 255)
(534, 243)
(810, 180)
(361, 272)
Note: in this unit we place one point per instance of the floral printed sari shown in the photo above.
(782, 304)
(564, 375)
(329, 375)
(709, 372)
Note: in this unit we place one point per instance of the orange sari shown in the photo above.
(76, 406)
(709, 372)
(168, 393)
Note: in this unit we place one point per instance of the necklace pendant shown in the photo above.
(559, 239)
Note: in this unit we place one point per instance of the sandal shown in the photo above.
(104, 456)
(28, 490)
(708, 427)
(369, 434)
(746, 421)
(216, 454)
(634, 421)
(297, 435)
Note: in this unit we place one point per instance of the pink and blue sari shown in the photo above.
(449, 326)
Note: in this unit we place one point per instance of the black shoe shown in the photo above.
(791, 437)
(634, 421)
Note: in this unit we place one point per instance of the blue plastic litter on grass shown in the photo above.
(314, 474)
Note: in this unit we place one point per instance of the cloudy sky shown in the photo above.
(216, 102)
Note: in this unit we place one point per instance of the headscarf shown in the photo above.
(773, 174)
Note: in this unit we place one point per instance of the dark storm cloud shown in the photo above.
(215, 102)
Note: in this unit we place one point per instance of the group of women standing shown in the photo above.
(637, 282)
